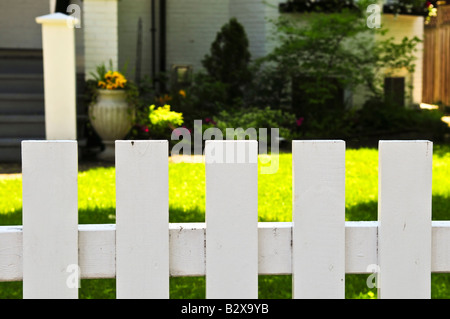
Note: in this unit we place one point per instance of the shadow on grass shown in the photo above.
(441, 207)
(13, 218)
(108, 216)
(179, 215)
(270, 287)
(441, 150)
(97, 216)
(368, 211)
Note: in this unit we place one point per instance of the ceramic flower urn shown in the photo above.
(112, 119)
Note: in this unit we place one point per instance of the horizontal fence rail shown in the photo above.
(142, 250)
(187, 249)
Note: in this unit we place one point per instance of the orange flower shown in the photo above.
(164, 99)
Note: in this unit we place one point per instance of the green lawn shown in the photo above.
(187, 204)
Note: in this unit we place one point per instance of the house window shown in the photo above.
(394, 91)
(61, 6)
(300, 6)
(416, 8)
(181, 75)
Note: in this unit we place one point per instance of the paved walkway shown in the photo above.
(446, 119)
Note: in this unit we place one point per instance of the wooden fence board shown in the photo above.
(318, 261)
(142, 219)
(404, 215)
(231, 220)
(50, 219)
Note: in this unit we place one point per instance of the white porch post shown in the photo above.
(52, 6)
(58, 45)
(100, 34)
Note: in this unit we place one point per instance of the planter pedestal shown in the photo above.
(109, 153)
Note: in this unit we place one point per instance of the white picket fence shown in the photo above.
(142, 250)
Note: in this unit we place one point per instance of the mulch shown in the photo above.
(10, 168)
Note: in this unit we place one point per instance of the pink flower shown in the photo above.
(209, 120)
(190, 131)
(181, 130)
(177, 132)
(300, 121)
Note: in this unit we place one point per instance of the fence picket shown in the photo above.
(231, 219)
(318, 256)
(404, 215)
(142, 219)
(50, 219)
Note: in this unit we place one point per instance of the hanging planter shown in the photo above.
(110, 114)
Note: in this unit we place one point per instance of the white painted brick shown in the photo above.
(129, 14)
(100, 33)
(192, 26)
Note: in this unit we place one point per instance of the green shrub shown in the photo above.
(256, 118)
(379, 117)
(223, 83)
(333, 125)
(228, 61)
(163, 121)
(377, 120)
(205, 97)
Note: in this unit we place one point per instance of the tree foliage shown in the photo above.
(228, 61)
(326, 52)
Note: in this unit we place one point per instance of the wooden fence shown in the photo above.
(436, 60)
(142, 250)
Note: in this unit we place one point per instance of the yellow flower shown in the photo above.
(112, 80)
(101, 84)
(182, 93)
(121, 83)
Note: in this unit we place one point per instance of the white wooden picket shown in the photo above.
(50, 218)
(318, 261)
(231, 219)
(142, 250)
(142, 219)
(404, 242)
